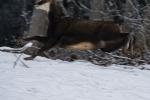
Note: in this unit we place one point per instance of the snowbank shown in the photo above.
(47, 79)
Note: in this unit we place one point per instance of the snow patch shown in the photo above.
(60, 80)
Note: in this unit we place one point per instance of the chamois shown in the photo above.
(80, 34)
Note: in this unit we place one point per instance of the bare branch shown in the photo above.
(18, 59)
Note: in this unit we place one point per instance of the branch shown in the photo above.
(18, 50)
(121, 57)
(18, 58)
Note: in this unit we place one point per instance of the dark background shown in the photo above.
(14, 17)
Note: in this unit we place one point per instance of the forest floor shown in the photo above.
(46, 79)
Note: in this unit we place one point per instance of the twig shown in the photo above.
(121, 57)
(19, 50)
(95, 54)
(18, 58)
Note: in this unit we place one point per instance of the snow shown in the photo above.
(47, 79)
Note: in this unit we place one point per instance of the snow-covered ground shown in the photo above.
(59, 80)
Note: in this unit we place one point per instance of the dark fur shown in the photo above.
(74, 31)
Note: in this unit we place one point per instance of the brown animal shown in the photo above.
(101, 34)
(79, 34)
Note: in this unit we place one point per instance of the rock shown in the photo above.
(39, 22)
